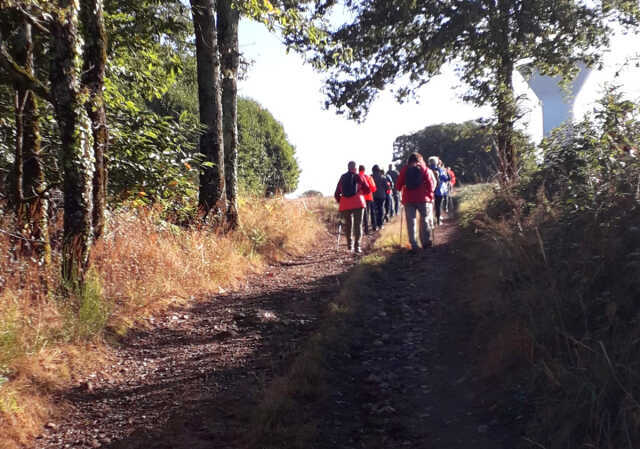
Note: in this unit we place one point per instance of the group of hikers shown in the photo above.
(368, 201)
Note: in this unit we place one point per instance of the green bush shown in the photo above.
(566, 240)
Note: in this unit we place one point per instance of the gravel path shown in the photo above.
(190, 379)
(406, 379)
(193, 380)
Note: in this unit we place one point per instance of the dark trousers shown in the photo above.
(396, 202)
(388, 207)
(438, 204)
(369, 217)
(353, 226)
(379, 206)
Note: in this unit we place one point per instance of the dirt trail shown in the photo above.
(188, 380)
(406, 378)
(193, 380)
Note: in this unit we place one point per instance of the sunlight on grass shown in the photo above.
(142, 266)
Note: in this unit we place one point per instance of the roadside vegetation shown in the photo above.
(143, 266)
(552, 269)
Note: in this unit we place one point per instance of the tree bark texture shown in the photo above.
(95, 60)
(506, 118)
(31, 188)
(506, 103)
(77, 143)
(212, 197)
(228, 19)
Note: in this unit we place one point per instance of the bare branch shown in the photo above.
(17, 74)
(33, 20)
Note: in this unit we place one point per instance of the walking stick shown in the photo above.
(339, 234)
(401, 215)
(435, 225)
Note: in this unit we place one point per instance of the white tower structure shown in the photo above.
(557, 104)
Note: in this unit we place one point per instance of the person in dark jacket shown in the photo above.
(379, 196)
(417, 188)
(388, 202)
(350, 194)
(395, 194)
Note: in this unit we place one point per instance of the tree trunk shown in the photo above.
(228, 19)
(212, 198)
(31, 202)
(506, 103)
(95, 60)
(77, 146)
(506, 118)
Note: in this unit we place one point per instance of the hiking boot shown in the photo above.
(428, 244)
(350, 246)
(358, 250)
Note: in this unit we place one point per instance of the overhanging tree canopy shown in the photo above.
(405, 43)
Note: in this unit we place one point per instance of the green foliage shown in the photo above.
(86, 312)
(266, 160)
(409, 42)
(584, 161)
(312, 194)
(10, 344)
(468, 148)
(566, 243)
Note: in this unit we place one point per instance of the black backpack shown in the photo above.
(414, 177)
(349, 184)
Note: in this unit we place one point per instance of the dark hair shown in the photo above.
(361, 168)
(375, 168)
(414, 157)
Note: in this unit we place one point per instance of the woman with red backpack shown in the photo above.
(350, 195)
(417, 186)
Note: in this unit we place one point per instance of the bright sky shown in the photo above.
(325, 141)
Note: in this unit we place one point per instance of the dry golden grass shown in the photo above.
(546, 282)
(141, 267)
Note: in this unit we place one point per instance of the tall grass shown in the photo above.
(554, 281)
(142, 266)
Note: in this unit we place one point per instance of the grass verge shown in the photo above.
(554, 289)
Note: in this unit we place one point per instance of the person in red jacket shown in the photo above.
(350, 193)
(417, 186)
(452, 182)
(368, 213)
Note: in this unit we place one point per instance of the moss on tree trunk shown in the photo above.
(77, 142)
(228, 19)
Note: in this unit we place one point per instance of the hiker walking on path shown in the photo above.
(388, 202)
(452, 183)
(368, 219)
(442, 178)
(350, 193)
(417, 197)
(380, 196)
(395, 194)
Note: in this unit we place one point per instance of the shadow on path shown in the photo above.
(192, 379)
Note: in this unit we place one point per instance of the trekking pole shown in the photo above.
(435, 225)
(401, 215)
(339, 233)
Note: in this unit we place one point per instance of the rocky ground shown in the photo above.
(407, 378)
(193, 378)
